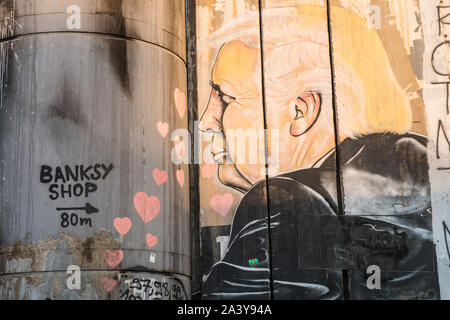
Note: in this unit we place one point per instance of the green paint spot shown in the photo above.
(253, 262)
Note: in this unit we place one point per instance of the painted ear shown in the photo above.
(307, 109)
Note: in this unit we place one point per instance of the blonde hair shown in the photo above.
(296, 58)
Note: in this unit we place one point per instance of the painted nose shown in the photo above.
(211, 120)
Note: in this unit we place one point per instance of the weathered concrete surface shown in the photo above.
(57, 253)
(86, 116)
(94, 285)
(160, 22)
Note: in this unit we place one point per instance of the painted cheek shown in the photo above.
(232, 120)
(235, 119)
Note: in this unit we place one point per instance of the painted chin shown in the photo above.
(230, 176)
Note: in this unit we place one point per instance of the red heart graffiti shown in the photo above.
(108, 284)
(151, 240)
(147, 207)
(160, 176)
(222, 204)
(122, 225)
(113, 258)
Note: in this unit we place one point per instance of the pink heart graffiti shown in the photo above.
(108, 284)
(222, 203)
(208, 170)
(163, 128)
(180, 177)
(113, 258)
(160, 176)
(147, 207)
(122, 225)
(151, 240)
(180, 102)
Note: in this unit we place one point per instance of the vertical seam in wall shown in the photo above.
(266, 151)
(194, 192)
(336, 141)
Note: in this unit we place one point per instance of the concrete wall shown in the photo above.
(92, 204)
(319, 159)
(319, 129)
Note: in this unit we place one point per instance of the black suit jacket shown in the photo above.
(310, 242)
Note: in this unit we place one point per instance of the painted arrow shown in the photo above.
(90, 209)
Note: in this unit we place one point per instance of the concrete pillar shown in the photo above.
(94, 200)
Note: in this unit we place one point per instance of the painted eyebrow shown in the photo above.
(217, 88)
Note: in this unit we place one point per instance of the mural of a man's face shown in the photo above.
(235, 109)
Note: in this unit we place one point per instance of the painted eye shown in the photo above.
(227, 99)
